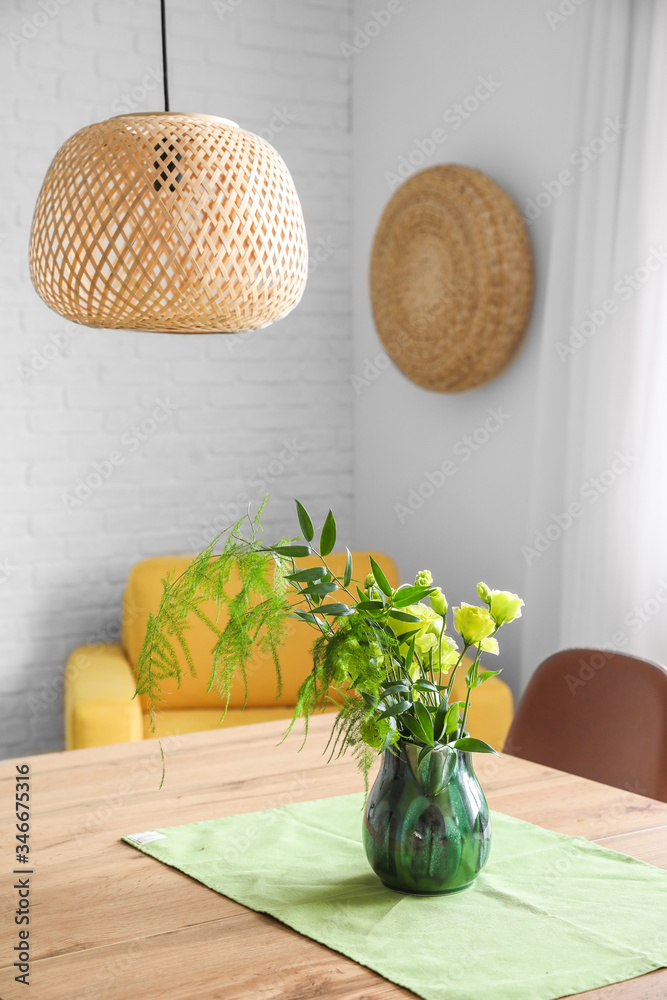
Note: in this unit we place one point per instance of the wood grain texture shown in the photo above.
(109, 923)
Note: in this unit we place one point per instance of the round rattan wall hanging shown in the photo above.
(451, 278)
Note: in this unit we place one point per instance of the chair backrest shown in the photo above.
(599, 714)
(143, 594)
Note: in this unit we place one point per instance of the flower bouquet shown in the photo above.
(382, 656)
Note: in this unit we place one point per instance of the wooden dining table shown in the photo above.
(110, 923)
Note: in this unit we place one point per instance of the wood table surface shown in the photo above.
(110, 923)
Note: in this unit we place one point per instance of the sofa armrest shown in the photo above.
(99, 704)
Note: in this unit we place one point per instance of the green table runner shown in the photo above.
(550, 915)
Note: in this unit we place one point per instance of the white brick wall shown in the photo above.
(70, 397)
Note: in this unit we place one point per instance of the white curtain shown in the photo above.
(596, 552)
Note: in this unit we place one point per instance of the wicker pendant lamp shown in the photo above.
(177, 223)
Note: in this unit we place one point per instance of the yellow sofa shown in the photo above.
(99, 680)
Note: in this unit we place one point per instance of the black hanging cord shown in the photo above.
(165, 80)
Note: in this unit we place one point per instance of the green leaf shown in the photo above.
(486, 675)
(424, 685)
(347, 576)
(474, 679)
(304, 521)
(320, 589)
(397, 709)
(308, 575)
(394, 687)
(369, 699)
(414, 728)
(328, 535)
(409, 656)
(470, 675)
(423, 754)
(403, 616)
(369, 606)
(408, 636)
(305, 616)
(293, 551)
(474, 746)
(390, 734)
(452, 718)
(409, 595)
(425, 721)
(336, 610)
(439, 721)
(380, 578)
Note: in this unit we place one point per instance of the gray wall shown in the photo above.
(408, 79)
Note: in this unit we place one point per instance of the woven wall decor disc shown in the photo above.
(170, 222)
(451, 278)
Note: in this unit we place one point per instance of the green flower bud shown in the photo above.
(438, 602)
(369, 581)
(484, 592)
(423, 579)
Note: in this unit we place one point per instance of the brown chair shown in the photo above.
(598, 714)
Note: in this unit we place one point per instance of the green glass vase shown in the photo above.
(426, 826)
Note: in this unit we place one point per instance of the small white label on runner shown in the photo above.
(146, 838)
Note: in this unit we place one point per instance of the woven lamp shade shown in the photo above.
(169, 222)
(451, 278)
